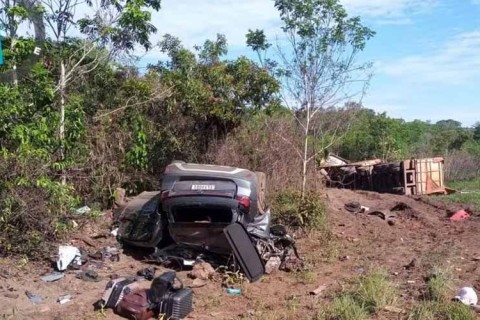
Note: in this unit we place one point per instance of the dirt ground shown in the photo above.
(361, 242)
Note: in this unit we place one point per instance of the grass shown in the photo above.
(472, 198)
(439, 284)
(432, 310)
(374, 291)
(343, 308)
(370, 293)
(437, 304)
(306, 276)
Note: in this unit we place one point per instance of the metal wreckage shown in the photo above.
(209, 212)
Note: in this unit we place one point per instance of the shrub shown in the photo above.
(374, 291)
(308, 213)
(32, 210)
(344, 307)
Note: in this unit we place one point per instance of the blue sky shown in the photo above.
(426, 53)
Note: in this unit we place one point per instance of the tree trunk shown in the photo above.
(14, 67)
(14, 75)
(305, 152)
(62, 118)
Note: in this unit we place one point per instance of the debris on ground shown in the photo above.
(202, 270)
(135, 305)
(386, 215)
(53, 277)
(467, 296)
(33, 297)
(82, 210)
(64, 299)
(68, 255)
(272, 264)
(411, 265)
(460, 215)
(114, 232)
(197, 283)
(355, 207)
(147, 273)
(394, 309)
(89, 241)
(234, 291)
(11, 295)
(318, 290)
(107, 253)
(114, 291)
(89, 275)
(170, 301)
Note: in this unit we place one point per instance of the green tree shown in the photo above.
(214, 94)
(119, 25)
(476, 131)
(318, 65)
(12, 14)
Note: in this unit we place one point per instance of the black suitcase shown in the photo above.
(246, 255)
(115, 290)
(176, 304)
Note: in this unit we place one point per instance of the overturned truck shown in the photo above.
(408, 177)
(197, 208)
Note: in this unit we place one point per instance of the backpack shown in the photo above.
(135, 306)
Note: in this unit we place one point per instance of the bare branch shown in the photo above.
(160, 95)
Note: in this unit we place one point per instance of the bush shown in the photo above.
(343, 308)
(462, 165)
(308, 213)
(374, 291)
(32, 211)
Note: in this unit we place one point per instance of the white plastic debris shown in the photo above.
(467, 295)
(53, 277)
(67, 255)
(82, 210)
(114, 232)
(272, 264)
(64, 299)
(187, 262)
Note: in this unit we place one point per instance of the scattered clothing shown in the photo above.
(90, 276)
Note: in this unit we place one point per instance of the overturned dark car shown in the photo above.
(197, 205)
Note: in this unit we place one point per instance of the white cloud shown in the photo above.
(388, 8)
(195, 21)
(455, 62)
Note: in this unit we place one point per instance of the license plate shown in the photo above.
(203, 187)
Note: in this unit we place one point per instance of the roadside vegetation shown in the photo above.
(467, 195)
(81, 120)
(368, 295)
(437, 298)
